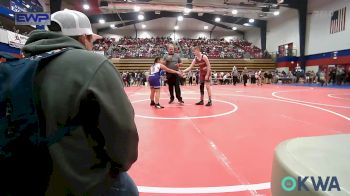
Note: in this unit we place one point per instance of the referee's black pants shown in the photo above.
(174, 81)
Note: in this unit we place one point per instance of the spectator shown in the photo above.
(322, 76)
(340, 74)
(332, 76)
(245, 75)
(234, 75)
(93, 158)
(258, 77)
(190, 76)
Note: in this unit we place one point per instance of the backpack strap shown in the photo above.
(72, 124)
(7, 56)
(49, 54)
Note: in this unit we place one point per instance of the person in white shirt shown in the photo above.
(258, 76)
(154, 81)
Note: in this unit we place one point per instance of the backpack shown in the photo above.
(25, 162)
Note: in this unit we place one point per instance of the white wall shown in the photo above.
(178, 34)
(3, 36)
(149, 34)
(227, 35)
(319, 39)
(312, 68)
(253, 36)
(118, 33)
(283, 30)
(191, 34)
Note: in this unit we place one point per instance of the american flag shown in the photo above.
(338, 21)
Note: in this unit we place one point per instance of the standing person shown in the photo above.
(245, 75)
(258, 77)
(234, 75)
(173, 61)
(339, 75)
(332, 75)
(94, 157)
(204, 74)
(190, 79)
(253, 77)
(125, 79)
(197, 77)
(154, 81)
(298, 73)
(128, 79)
(322, 75)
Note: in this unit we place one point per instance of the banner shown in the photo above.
(16, 40)
(32, 18)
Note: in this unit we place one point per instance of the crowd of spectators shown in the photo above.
(333, 76)
(128, 47)
(213, 48)
(137, 78)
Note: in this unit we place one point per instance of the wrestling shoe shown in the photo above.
(201, 102)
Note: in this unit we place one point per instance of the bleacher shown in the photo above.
(222, 65)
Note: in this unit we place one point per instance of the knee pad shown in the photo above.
(201, 87)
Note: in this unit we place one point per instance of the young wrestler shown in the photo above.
(154, 81)
(204, 74)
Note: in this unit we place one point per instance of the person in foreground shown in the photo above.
(204, 74)
(154, 81)
(85, 88)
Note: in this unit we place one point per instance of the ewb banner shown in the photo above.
(32, 18)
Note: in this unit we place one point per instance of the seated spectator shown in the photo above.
(128, 47)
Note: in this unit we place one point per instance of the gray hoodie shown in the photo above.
(82, 85)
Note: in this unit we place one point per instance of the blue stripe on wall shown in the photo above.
(6, 48)
(328, 55)
(340, 53)
(287, 59)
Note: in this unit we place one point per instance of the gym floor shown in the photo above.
(228, 148)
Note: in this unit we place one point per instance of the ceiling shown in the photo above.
(245, 8)
(167, 24)
(121, 13)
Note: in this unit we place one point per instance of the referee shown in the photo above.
(173, 61)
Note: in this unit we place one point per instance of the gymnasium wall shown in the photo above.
(318, 37)
(118, 33)
(253, 36)
(187, 34)
(227, 35)
(282, 30)
(322, 47)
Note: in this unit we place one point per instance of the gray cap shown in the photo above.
(73, 23)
